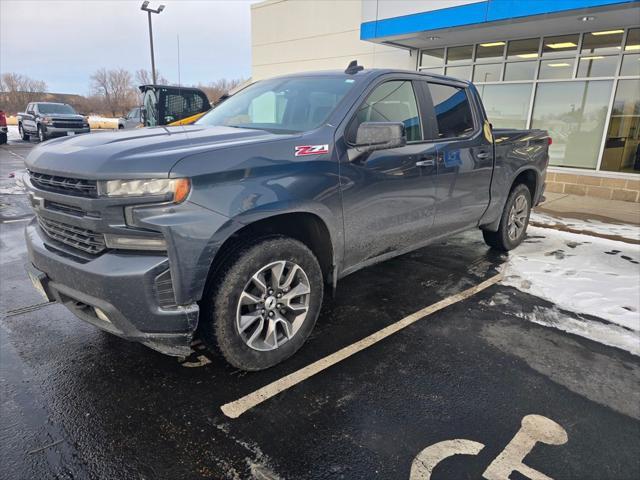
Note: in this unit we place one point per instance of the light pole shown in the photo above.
(145, 7)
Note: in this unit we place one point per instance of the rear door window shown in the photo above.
(453, 110)
(392, 101)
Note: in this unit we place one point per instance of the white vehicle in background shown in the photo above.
(132, 120)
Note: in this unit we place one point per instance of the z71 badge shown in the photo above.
(302, 150)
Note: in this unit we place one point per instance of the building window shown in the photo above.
(523, 49)
(490, 51)
(630, 65)
(622, 147)
(462, 72)
(597, 66)
(488, 72)
(633, 40)
(514, 71)
(568, 79)
(574, 113)
(560, 46)
(507, 105)
(606, 41)
(432, 58)
(459, 54)
(556, 69)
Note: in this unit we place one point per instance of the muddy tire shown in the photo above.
(263, 302)
(514, 221)
(23, 135)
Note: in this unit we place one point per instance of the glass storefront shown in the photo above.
(583, 88)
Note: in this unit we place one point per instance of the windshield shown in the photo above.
(281, 105)
(55, 108)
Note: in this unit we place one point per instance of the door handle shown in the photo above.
(426, 162)
(482, 155)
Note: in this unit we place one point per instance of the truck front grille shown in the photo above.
(68, 124)
(80, 238)
(65, 185)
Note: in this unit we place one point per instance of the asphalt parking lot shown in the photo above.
(78, 403)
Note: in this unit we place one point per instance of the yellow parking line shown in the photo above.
(238, 407)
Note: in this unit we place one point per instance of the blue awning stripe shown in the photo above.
(474, 13)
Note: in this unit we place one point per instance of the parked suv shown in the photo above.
(229, 229)
(47, 119)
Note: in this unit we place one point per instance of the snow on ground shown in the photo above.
(12, 132)
(582, 274)
(631, 232)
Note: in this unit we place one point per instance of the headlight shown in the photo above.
(47, 120)
(179, 188)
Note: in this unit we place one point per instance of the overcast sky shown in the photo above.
(64, 41)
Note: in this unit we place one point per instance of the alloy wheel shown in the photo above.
(273, 305)
(517, 217)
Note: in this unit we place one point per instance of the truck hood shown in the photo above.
(140, 153)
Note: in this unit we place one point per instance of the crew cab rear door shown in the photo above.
(388, 195)
(465, 156)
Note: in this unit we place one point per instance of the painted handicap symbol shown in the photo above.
(534, 429)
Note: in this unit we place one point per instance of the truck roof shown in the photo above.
(372, 73)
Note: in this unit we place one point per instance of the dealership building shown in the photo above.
(571, 67)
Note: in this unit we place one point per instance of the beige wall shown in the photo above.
(303, 35)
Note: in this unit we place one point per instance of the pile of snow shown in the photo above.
(631, 232)
(583, 274)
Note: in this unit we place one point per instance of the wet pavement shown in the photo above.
(78, 403)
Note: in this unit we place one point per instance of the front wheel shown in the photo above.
(514, 221)
(262, 305)
(42, 136)
(23, 135)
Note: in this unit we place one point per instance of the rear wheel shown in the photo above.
(514, 221)
(23, 135)
(262, 305)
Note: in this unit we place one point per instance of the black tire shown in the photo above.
(23, 135)
(501, 240)
(42, 136)
(218, 325)
(3, 138)
(120, 127)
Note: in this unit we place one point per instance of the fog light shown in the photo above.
(101, 315)
(134, 243)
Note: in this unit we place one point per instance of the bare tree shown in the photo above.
(144, 77)
(215, 90)
(18, 90)
(116, 89)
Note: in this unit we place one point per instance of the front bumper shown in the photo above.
(120, 284)
(56, 131)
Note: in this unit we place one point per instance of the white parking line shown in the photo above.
(238, 407)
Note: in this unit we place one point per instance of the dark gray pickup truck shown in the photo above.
(229, 229)
(49, 119)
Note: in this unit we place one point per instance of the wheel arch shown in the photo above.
(305, 226)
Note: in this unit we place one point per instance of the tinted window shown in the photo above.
(452, 109)
(392, 101)
(295, 104)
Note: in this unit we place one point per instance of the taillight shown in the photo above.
(549, 140)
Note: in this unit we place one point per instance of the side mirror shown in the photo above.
(380, 136)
